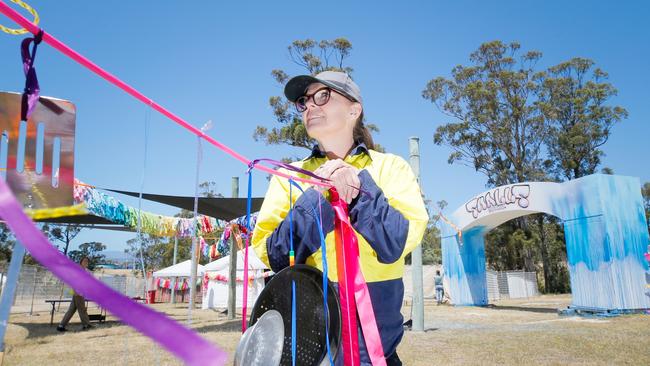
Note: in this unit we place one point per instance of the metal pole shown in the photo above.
(175, 248)
(175, 279)
(416, 254)
(232, 276)
(10, 290)
(195, 242)
(235, 187)
(31, 307)
(192, 281)
(525, 283)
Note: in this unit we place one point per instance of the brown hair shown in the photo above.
(361, 133)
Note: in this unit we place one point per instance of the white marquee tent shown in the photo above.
(182, 269)
(217, 273)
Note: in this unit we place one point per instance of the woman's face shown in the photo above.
(334, 119)
(84, 262)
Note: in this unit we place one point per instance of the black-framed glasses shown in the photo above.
(320, 97)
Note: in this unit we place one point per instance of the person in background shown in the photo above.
(78, 303)
(440, 291)
(151, 288)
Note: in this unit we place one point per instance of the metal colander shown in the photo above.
(311, 348)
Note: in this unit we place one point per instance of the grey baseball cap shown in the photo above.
(337, 80)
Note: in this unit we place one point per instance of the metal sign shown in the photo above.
(37, 156)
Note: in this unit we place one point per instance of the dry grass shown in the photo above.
(510, 333)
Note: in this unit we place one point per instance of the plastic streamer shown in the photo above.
(103, 205)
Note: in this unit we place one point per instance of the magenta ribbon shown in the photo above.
(287, 166)
(279, 164)
(177, 339)
(353, 289)
(244, 299)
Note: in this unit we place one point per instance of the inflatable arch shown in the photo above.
(604, 228)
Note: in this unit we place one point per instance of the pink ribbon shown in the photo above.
(353, 288)
(85, 62)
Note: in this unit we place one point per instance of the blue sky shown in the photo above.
(212, 61)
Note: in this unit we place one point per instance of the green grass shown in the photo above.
(514, 332)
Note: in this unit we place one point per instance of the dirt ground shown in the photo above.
(509, 332)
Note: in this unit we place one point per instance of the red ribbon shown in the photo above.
(245, 294)
(353, 291)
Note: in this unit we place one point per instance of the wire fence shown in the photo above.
(511, 284)
(500, 284)
(36, 284)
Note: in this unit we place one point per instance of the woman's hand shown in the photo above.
(343, 176)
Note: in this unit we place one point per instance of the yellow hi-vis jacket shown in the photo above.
(389, 219)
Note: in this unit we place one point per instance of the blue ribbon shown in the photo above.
(323, 246)
(293, 283)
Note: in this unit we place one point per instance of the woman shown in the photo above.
(78, 303)
(389, 217)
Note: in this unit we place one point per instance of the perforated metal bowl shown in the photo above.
(261, 344)
(311, 346)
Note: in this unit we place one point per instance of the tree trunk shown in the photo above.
(529, 265)
(67, 244)
(544, 253)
